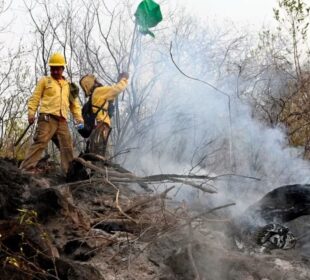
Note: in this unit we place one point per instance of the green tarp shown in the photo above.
(148, 15)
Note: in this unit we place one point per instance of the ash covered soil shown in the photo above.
(109, 227)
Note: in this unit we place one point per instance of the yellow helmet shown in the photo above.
(87, 83)
(57, 59)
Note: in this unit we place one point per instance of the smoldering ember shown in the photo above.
(140, 141)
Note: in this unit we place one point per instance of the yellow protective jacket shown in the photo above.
(54, 98)
(104, 94)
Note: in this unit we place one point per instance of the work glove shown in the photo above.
(123, 75)
(78, 121)
(79, 124)
(111, 108)
(31, 119)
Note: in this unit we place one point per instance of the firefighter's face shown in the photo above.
(56, 72)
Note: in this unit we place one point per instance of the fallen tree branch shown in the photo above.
(148, 200)
(115, 176)
(209, 211)
(156, 177)
(159, 177)
(196, 186)
(119, 177)
(104, 172)
(185, 182)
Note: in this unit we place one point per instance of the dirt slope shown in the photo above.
(108, 227)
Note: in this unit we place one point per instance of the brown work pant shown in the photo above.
(46, 129)
(98, 139)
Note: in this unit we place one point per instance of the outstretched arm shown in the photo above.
(120, 86)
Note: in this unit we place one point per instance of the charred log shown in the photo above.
(281, 205)
(77, 172)
(262, 224)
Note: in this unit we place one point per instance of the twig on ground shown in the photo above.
(148, 200)
(196, 186)
(208, 212)
(121, 210)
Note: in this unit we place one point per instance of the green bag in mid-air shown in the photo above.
(148, 15)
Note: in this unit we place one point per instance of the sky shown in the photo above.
(251, 12)
(256, 12)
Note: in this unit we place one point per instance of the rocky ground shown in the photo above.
(113, 227)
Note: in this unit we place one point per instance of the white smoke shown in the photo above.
(189, 130)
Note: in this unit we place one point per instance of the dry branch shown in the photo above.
(210, 211)
(115, 176)
(148, 200)
(196, 186)
(104, 172)
(121, 210)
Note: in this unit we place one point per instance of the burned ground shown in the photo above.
(112, 227)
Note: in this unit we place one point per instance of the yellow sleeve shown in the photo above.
(116, 89)
(75, 108)
(34, 100)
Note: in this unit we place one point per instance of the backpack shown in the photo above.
(89, 117)
(111, 109)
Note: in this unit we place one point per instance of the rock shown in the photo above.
(13, 185)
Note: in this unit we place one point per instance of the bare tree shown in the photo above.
(96, 38)
(14, 81)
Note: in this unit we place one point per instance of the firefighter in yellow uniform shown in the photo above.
(101, 95)
(52, 97)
